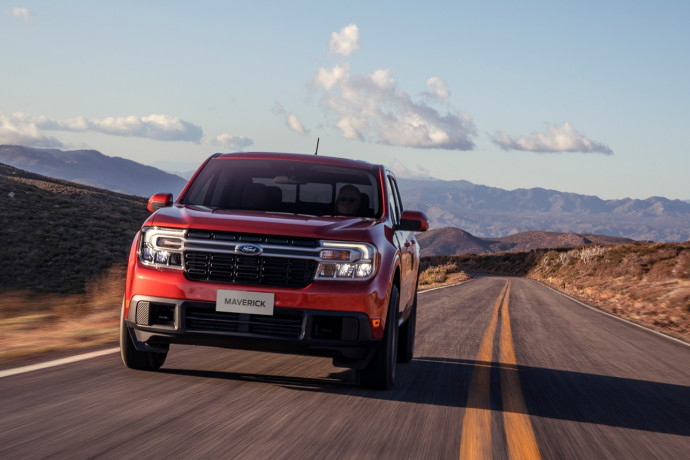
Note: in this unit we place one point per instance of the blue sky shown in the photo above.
(588, 97)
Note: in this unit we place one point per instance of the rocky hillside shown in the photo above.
(61, 234)
(453, 241)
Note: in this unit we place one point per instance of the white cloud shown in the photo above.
(403, 171)
(563, 138)
(372, 108)
(344, 42)
(439, 89)
(291, 120)
(329, 78)
(22, 13)
(230, 141)
(295, 125)
(23, 129)
(19, 129)
(383, 79)
(156, 126)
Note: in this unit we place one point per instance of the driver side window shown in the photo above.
(394, 200)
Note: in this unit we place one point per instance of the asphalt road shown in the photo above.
(503, 368)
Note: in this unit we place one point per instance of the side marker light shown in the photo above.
(376, 329)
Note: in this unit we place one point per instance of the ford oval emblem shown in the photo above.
(249, 249)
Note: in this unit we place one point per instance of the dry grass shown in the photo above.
(441, 275)
(34, 323)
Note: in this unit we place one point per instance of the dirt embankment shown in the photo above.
(646, 283)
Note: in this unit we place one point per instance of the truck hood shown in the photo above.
(266, 223)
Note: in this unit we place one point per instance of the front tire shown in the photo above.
(380, 372)
(133, 358)
(407, 332)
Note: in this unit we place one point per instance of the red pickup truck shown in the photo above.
(281, 253)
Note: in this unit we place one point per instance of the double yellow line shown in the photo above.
(476, 426)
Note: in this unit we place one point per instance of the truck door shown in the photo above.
(407, 244)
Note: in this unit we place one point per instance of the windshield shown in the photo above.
(286, 186)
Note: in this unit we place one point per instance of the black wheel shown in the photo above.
(133, 358)
(380, 372)
(407, 331)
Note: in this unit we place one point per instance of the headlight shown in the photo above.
(341, 261)
(161, 247)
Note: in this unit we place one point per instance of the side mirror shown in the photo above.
(413, 221)
(160, 200)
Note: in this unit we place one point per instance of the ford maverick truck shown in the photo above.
(283, 253)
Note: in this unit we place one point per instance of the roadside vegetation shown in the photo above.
(33, 322)
(647, 283)
(440, 275)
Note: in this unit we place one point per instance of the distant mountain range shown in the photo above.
(90, 167)
(450, 241)
(493, 212)
(487, 212)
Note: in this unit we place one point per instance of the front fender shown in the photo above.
(131, 263)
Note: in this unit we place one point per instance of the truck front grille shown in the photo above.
(251, 270)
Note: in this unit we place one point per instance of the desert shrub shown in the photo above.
(437, 274)
(682, 267)
(590, 253)
(564, 257)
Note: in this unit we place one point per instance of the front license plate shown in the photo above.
(254, 303)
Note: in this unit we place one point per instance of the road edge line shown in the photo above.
(57, 362)
(443, 287)
(625, 320)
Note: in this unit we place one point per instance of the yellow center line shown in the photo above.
(476, 426)
(522, 444)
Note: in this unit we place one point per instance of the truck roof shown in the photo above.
(299, 157)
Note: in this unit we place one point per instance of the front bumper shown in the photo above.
(342, 335)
